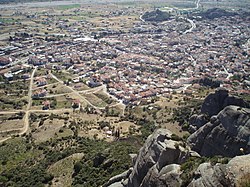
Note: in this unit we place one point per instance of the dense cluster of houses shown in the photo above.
(145, 61)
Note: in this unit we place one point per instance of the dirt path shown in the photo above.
(27, 112)
(78, 94)
(25, 128)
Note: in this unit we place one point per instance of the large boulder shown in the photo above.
(212, 105)
(169, 175)
(235, 173)
(226, 134)
(157, 163)
(197, 121)
(215, 102)
(158, 151)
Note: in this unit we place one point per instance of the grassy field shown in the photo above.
(96, 101)
(66, 7)
(57, 89)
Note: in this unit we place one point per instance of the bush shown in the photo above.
(175, 137)
(77, 167)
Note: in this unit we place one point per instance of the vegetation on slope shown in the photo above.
(24, 163)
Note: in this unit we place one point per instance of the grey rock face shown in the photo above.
(197, 121)
(208, 176)
(158, 152)
(225, 134)
(215, 102)
(118, 178)
(212, 105)
(221, 175)
(157, 163)
(169, 175)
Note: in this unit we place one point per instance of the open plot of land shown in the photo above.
(41, 72)
(11, 121)
(96, 101)
(11, 124)
(48, 127)
(105, 97)
(126, 127)
(12, 96)
(63, 75)
(79, 86)
(63, 102)
(57, 89)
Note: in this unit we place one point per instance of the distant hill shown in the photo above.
(216, 13)
(156, 15)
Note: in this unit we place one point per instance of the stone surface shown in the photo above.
(235, 173)
(212, 105)
(119, 178)
(158, 152)
(215, 102)
(225, 134)
(169, 175)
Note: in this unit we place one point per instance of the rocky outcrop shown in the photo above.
(158, 151)
(169, 175)
(225, 134)
(223, 129)
(156, 16)
(212, 105)
(157, 163)
(119, 179)
(215, 102)
(197, 121)
(235, 173)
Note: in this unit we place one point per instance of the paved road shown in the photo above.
(118, 100)
(193, 25)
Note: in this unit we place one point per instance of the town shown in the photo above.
(75, 56)
(124, 93)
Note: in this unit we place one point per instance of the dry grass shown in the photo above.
(47, 130)
(11, 124)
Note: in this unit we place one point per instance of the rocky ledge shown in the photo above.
(223, 129)
(226, 134)
(159, 164)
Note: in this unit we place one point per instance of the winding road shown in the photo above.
(170, 9)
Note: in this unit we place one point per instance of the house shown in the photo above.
(93, 83)
(39, 93)
(4, 61)
(46, 105)
(41, 82)
(26, 76)
(76, 103)
(8, 76)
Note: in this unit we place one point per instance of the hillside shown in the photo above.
(156, 15)
(216, 13)
(212, 155)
